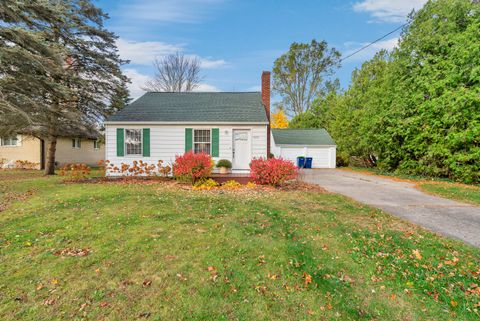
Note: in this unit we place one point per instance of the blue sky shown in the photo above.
(237, 39)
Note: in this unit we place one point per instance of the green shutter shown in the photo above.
(215, 142)
(120, 142)
(146, 142)
(188, 139)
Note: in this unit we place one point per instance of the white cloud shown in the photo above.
(208, 63)
(388, 10)
(138, 80)
(183, 11)
(143, 53)
(369, 52)
(206, 88)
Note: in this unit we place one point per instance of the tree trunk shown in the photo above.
(50, 166)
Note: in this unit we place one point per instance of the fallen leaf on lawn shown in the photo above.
(454, 303)
(55, 281)
(72, 252)
(273, 276)
(211, 268)
(181, 277)
(146, 283)
(145, 314)
(375, 278)
(393, 297)
(307, 278)
(39, 287)
(49, 302)
(452, 262)
(417, 254)
(104, 304)
(261, 260)
(97, 270)
(329, 306)
(325, 247)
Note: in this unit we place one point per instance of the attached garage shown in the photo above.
(315, 143)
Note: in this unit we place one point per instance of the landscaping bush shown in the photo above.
(272, 171)
(192, 167)
(24, 164)
(137, 168)
(205, 184)
(231, 184)
(224, 163)
(74, 172)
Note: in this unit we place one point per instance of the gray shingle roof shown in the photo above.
(302, 137)
(241, 107)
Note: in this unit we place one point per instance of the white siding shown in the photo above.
(167, 141)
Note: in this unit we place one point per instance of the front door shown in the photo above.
(242, 154)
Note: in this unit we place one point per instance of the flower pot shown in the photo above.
(223, 170)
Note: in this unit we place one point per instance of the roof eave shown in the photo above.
(305, 145)
(123, 122)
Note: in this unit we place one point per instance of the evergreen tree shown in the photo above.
(59, 70)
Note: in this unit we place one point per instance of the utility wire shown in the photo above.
(373, 42)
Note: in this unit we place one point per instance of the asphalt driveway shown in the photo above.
(447, 217)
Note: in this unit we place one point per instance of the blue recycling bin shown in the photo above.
(308, 162)
(300, 162)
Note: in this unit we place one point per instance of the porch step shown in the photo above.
(242, 178)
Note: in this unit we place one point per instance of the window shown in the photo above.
(133, 141)
(96, 144)
(9, 141)
(76, 143)
(201, 141)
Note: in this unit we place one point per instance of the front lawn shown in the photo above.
(158, 251)
(440, 187)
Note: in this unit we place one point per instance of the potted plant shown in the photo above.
(224, 166)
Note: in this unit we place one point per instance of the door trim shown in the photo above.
(249, 131)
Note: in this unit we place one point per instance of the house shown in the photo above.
(162, 125)
(315, 143)
(87, 150)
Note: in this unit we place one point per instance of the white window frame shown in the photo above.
(96, 144)
(140, 130)
(193, 139)
(17, 141)
(76, 143)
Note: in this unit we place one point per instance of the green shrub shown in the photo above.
(224, 163)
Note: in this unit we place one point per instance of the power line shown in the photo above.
(373, 42)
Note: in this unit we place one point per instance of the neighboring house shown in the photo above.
(315, 143)
(160, 126)
(86, 150)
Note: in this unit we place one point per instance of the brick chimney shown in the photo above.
(266, 103)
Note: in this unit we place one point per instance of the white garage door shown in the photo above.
(292, 153)
(322, 157)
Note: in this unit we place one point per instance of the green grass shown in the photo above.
(152, 246)
(459, 192)
(441, 187)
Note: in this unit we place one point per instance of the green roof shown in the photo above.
(310, 137)
(193, 107)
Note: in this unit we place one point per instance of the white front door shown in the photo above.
(242, 154)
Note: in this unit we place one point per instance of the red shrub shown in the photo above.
(192, 166)
(272, 171)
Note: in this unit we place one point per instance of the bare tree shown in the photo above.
(175, 73)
